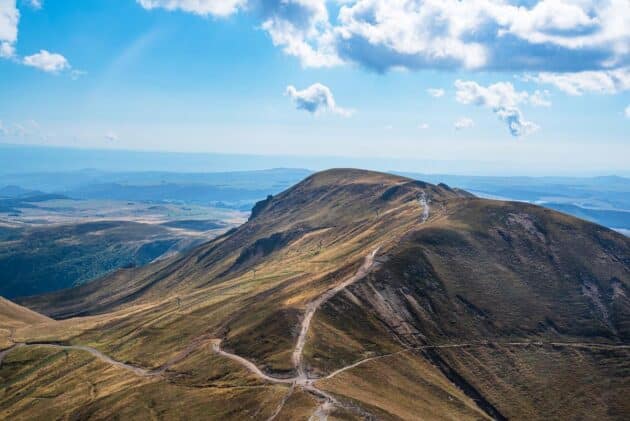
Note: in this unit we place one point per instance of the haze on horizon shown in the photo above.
(498, 87)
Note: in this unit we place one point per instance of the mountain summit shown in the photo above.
(354, 295)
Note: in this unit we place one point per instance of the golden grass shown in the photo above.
(404, 386)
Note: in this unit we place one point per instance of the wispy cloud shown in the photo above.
(111, 136)
(600, 82)
(34, 4)
(436, 93)
(220, 8)
(464, 123)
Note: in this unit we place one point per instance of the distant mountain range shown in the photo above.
(605, 200)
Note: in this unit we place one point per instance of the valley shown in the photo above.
(60, 243)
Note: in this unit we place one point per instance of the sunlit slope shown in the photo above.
(250, 287)
(12, 317)
(465, 313)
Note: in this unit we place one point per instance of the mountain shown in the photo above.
(354, 295)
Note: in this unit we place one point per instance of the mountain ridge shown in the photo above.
(470, 302)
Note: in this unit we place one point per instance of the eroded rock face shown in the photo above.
(260, 207)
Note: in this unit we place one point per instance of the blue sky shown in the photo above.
(549, 95)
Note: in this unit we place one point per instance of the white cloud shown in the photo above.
(48, 62)
(315, 99)
(219, 8)
(436, 93)
(504, 100)
(9, 19)
(553, 35)
(423, 126)
(500, 94)
(7, 50)
(77, 74)
(505, 35)
(111, 136)
(464, 123)
(627, 111)
(601, 82)
(312, 50)
(302, 29)
(517, 125)
(540, 98)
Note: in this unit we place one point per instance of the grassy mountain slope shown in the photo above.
(457, 315)
(13, 316)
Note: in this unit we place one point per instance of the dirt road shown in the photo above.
(312, 307)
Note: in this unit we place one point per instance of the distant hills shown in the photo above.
(239, 190)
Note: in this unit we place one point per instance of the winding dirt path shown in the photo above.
(329, 402)
(478, 345)
(139, 371)
(216, 346)
(313, 306)
(302, 379)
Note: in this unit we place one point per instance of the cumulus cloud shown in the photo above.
(423, 126)
(315, 99)
(48, 62)
(436, 93)
(219, 8)
(510, 35)
(464, 123)
(503, 100)
(578, 83)
(627, 111)
(301, 28)
(552, 35)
